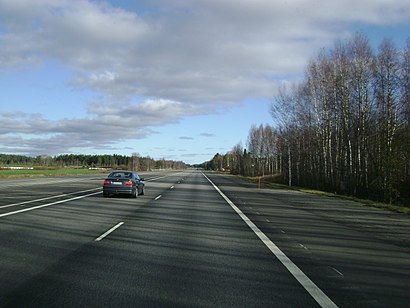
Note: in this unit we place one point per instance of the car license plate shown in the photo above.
(117, 183)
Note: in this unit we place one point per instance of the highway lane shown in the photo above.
(32, 241)
(177, 249)
(358, 256)
(183, 245)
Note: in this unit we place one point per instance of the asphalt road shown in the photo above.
(196, 240)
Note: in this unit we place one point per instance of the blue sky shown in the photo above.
(171, 79)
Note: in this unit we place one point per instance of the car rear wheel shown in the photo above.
(134, 193)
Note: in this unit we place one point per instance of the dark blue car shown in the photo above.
(123, 183)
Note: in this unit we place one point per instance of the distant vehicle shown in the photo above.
(123, 183)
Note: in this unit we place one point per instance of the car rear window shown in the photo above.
(120, 175)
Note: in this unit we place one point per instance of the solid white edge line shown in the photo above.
(32, 201)
(319, 296)
(109, 231)
(46, 205)
(46, 198)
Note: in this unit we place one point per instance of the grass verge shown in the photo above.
(41, 172)
(267, 183)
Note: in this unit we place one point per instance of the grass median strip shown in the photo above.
(43, 172)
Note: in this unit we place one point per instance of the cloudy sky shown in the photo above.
(174, 79)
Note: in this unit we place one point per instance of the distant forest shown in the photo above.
(344, 128)
(134, 162)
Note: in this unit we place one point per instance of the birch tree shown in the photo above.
(283, 112)
(387, 96)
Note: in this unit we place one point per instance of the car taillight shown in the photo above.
(128, 183)
(106, 182)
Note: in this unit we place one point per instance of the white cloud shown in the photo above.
(187, 56)
(105, 126)
(198, 51)
(207, 135)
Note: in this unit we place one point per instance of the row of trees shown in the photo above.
(345, 127)
(135, 161)
(262, 158)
